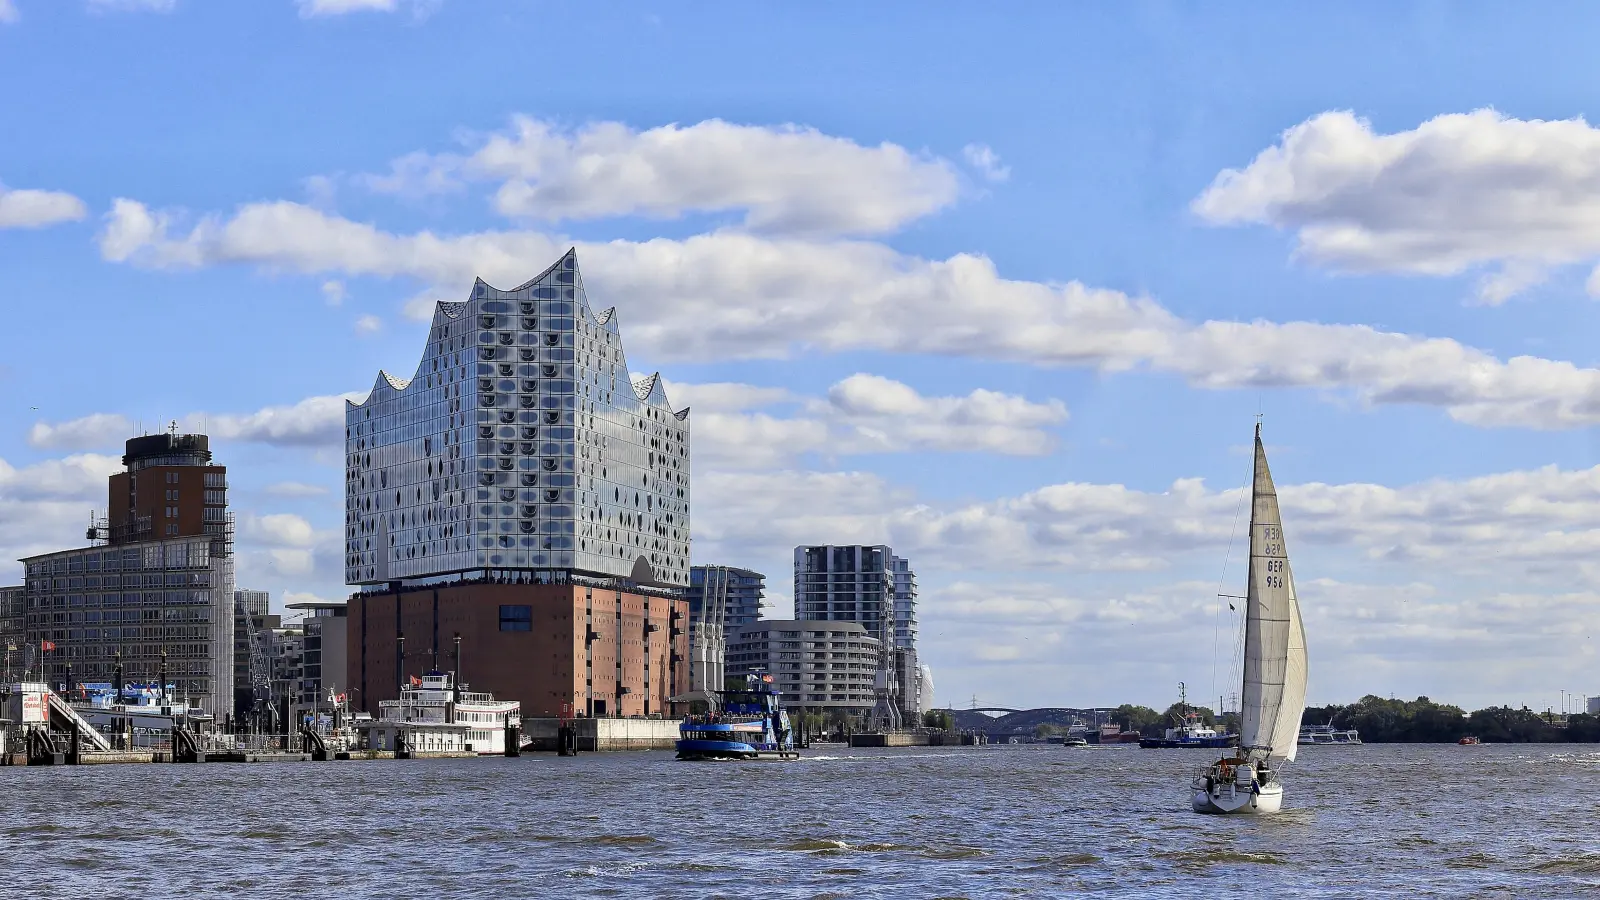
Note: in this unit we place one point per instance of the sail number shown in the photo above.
(1271, 532)
(1274, 581)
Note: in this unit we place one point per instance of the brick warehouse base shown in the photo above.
(607, 652)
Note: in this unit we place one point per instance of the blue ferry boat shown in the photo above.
(749, 725)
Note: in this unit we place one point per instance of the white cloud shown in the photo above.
(783, 178)
(417, 175)
(368, 324)
(32, 208)
(295, 489)
(735, 427)
(983, 158)
(8, 12)
(276, 530)
(1457, 192)
(731, 295)
(1542, 523)
(96, 430)
(309, 8)
(333, 292)
(310, 422)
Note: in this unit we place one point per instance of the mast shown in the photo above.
(1274, 641)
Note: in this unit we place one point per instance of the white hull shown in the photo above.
(1229, 798)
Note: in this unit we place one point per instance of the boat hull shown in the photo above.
(735, 750)
(1220, 742)
(1227, 799)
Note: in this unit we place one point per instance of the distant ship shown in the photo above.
(1315, 735)
(1190, 732)
(1275, 667)
(1469, 741)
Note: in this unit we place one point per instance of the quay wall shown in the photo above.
(593, 735)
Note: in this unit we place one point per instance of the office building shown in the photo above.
(523, 492)
(817, 665)
(324, 660)
(13, 636)
(250, 675)
(157, 579)
(722, 599)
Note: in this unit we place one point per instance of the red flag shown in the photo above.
(415, 681)
(47, 645)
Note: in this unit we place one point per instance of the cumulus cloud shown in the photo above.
(1536, 523)
(1457, 192)
(96, 430)
(782, 178)
(310, 422)
(735, 424)
(45, 506)
(983, 158)
(368, 324)
(734, 295)
(34, 208)
(276, 530)
(333, 292)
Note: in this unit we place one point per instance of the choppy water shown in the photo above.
(1045, 821)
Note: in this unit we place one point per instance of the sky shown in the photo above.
(1006, 293)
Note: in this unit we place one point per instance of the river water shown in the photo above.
(1027, 821)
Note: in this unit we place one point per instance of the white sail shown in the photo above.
(1274, 637)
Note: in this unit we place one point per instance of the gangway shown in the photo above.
(71, 721)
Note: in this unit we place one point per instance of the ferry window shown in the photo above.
(516, 618)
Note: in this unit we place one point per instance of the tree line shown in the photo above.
(1385, 721)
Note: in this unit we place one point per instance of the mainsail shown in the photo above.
(1274, 637)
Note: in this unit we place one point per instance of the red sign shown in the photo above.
(47, 645)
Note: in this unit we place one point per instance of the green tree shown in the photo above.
(1142, 719)
(939, 720)
(1175, 713)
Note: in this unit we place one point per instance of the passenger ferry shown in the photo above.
(750, 725)
(435, 714)
(1316, 735)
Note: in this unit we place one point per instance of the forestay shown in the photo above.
(1274, 637)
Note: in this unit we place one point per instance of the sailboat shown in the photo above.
(1274, 696)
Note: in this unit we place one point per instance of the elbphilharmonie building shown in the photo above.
(520, 455)
(519, 444)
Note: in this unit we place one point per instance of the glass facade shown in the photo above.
(137, 599)
(520, 443)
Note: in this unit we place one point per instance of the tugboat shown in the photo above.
(1190, 731)
(750, 724)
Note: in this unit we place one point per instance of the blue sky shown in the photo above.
(976, 286)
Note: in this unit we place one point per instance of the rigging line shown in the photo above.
(1216, 625)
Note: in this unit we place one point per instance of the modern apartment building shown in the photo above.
(816, 664)
(722, 599)
(871, 586)
(156, 579)
(522, 491)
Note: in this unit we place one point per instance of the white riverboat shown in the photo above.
(436, 715)
(1320, 735)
